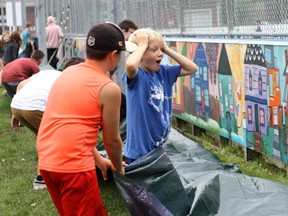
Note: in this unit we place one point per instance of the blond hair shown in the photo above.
(154, 37)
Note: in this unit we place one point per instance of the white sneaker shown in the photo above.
(39, 183)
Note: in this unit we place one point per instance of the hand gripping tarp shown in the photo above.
(183, 178)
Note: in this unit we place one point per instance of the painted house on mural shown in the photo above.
(255, 96)
(200, 84)
(212, 50)
(176, 94)
(275, 108)
(285, 100)
(189, 97)
(226, 95)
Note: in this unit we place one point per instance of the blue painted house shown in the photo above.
(200, 84)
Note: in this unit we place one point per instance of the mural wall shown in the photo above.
(240, 92)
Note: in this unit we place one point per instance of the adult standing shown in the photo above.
(26, 35)
(54, 36)
(127, 27)
(11, 48)
(19, 70)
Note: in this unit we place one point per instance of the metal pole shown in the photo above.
(181, 13)
(2, 15)
(14, 15)
(230, 16)
(23, 9)
(41, 17)
(152, 17)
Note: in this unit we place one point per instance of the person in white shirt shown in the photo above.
(29, 102)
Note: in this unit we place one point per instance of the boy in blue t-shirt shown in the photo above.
(149, 92)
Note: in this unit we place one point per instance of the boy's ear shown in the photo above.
(115, 53)
(113, 56)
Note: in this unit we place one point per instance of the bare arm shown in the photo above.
(110, 99)
(134, 59)
(187, 66)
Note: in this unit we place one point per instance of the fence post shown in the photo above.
(40, 27)
(230, 22)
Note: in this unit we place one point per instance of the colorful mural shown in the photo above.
(240, 92)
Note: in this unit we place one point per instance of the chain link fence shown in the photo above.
(172, 17)
(180, 18)
(210, 17)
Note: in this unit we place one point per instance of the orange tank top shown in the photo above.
(69, 128)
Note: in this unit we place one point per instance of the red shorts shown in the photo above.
(75, 193)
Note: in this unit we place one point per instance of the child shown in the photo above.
(149, 92)
(81, 101)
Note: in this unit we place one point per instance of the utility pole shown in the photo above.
(40, 18)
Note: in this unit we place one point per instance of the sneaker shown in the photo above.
(39, 183)
(4, 93)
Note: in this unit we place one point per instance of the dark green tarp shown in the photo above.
(183, 178)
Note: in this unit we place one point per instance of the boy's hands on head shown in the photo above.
(133, 61)
(142, 40)
(165, 47)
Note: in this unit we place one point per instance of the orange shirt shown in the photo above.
(69, 128)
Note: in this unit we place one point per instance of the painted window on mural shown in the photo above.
(275, 115)
(271, 84)
(268, 55)
(262, 117)
(206, 97)
(230, 89)
(277, 80)
(285, 97)
(192, 82)
(250, 80)
(222, 110)
(198, 73)
(198, 93)
(249, 110)
(260, 83)
(220, 88)
(205, 74)
(231, 108)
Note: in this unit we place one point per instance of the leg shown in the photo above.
(11, 89)
(75, 193)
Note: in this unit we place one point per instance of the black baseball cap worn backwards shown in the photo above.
(108, 37)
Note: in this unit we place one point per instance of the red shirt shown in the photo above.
(19, 69)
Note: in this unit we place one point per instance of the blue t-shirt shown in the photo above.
(149, 109)
(25, 37)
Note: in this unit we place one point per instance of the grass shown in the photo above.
(18, 165)
(234, 154)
